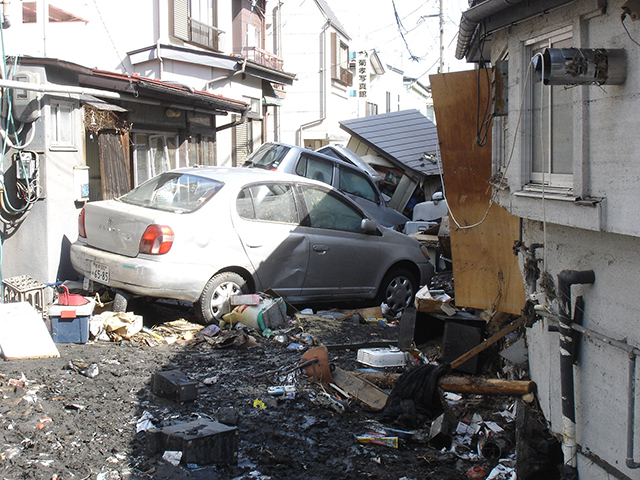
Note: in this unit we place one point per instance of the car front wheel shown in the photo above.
(214, 300)
(397, 289)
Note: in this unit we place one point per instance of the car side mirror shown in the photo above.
(368, 225)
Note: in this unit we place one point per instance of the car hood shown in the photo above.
(384, 215)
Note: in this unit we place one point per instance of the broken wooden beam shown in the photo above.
(486, 386)
(488, 342)
(461, 384)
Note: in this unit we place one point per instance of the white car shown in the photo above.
(203, 234)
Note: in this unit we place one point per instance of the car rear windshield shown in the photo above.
(268, 156)
(173, 192)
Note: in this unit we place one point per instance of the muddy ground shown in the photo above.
(57, 423)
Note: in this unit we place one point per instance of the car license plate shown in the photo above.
(99, 272)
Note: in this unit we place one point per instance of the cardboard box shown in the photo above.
(70, 323)
(427, 301)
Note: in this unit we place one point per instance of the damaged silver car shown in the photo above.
(204, 234)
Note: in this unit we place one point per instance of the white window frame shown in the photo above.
(545, 179)
(167, 162)
(62, 120)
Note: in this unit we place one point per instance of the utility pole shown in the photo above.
(441, 14)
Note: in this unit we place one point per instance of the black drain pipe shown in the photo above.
(566, 279)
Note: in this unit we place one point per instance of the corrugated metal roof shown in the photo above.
(401, 137)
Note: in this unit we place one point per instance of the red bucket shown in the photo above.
(66, 298)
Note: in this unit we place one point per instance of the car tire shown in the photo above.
(397, 289)
(120, 301)
(214, 300)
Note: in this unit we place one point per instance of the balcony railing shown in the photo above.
(263, 57)
(203, 34)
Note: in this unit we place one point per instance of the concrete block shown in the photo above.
(201, 441)
(174, 385)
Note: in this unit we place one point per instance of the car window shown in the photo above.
(356, 183)
(315, 168)
(329, 211)
(268, 202)
(268, 156)
(175, 192)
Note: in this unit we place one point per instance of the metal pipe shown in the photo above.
(566, 279)
(631, 412)
(633, 353)
(472, 17)
(52, 88)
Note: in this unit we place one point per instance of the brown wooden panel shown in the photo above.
(114, 164)
(485, 270)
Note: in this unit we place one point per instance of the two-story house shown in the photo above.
(127, 90)
(566, 81)
(313, 40)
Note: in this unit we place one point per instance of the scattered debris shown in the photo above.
(261, 399)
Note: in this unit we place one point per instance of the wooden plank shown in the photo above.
(485, 269)
(23, 333)
(363, 390)
(114, 164)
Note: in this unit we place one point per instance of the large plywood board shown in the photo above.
(485, 270)
(23, 333)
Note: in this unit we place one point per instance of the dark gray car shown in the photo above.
(343, 176)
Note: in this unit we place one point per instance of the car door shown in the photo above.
(315, 167)
(267, 223)
(360, 188)
(342, 259)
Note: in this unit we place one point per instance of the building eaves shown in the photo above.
(331, 17)
(406, 138)
(258, 70)
(162, 91)
(488, 16)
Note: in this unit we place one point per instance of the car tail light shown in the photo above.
(156, 240)
(82, 231)
(424, 251)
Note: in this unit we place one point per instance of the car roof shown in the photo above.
(239, 175)
(296, 148)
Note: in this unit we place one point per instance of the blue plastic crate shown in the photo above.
(70, 323)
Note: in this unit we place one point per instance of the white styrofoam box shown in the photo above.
(382, 357)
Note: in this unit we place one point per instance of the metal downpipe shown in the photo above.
(631, 411)
(566, 279)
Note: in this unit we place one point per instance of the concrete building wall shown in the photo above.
(601, 234)
(39, 246)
